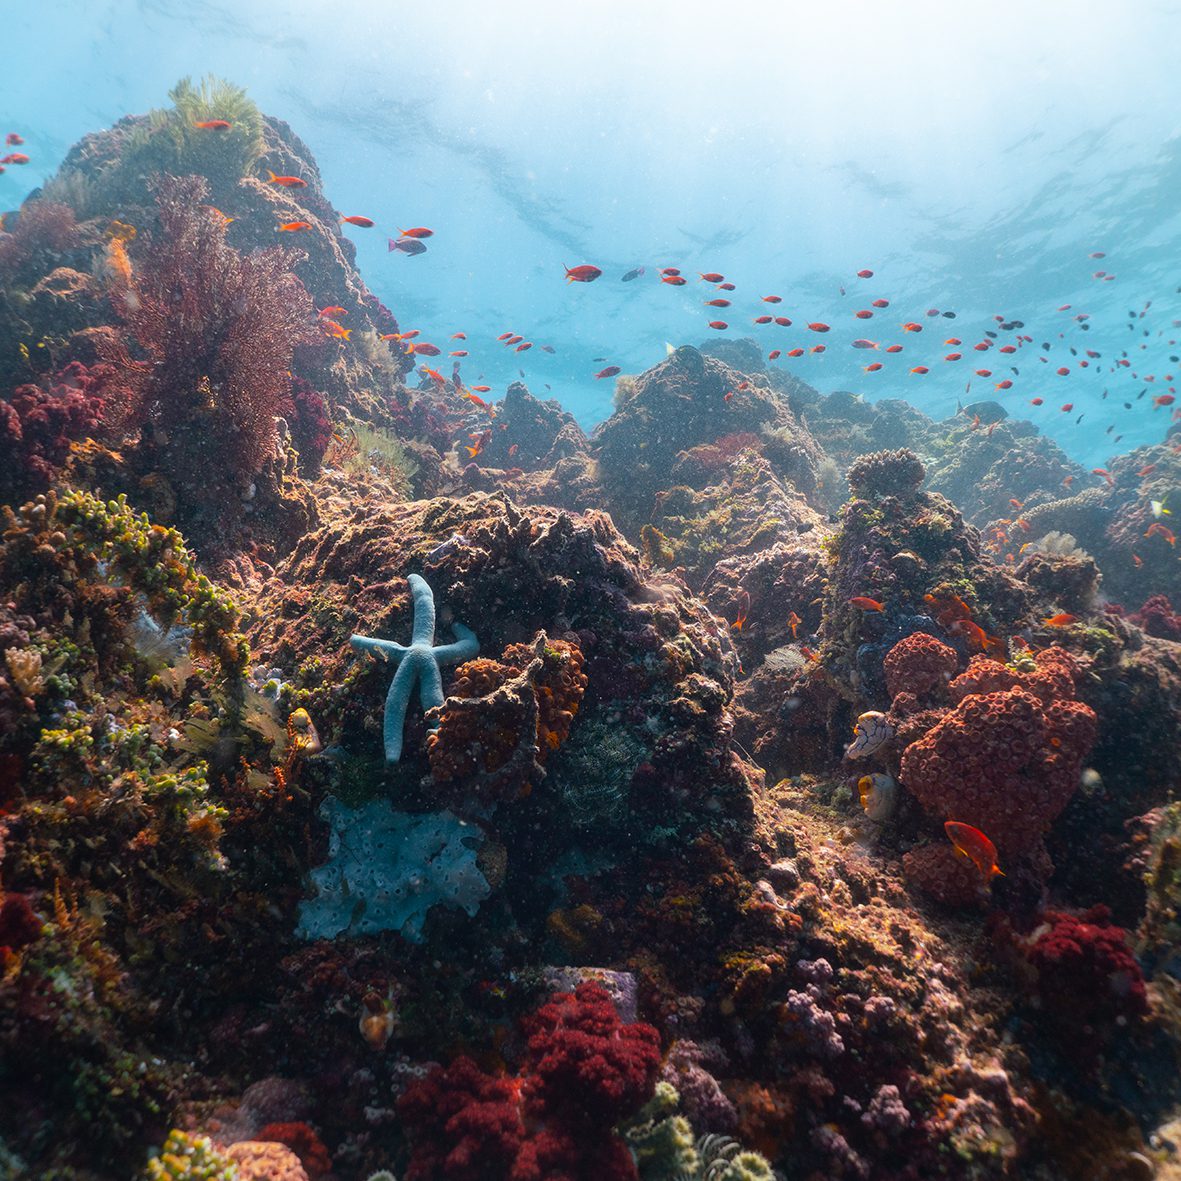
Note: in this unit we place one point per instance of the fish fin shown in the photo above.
(271, 175)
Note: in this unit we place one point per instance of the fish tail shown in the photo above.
(271, 175)
(346, 333)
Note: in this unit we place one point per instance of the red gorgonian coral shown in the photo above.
(211, 334)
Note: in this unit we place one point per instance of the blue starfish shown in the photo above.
(417, 664)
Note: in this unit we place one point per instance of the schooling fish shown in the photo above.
(971, 844)
(291, 227)
(610, 371)
(204, 125)
(866, 604)
(287, 182)
(1062, 619)
(357, 220)
(14, 140)
(582, 274)
(712, 277)
(417, 232)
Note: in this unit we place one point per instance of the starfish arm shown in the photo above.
(465, 647)
(430, 682)
(396, 701)
(385, 650)
(424, 611)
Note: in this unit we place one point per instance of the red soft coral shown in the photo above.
(1087, 977)
(465, 1125)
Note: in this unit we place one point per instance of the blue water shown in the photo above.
(972, 156)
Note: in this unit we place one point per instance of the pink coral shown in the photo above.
(919, 664)
(940, 873)
(1007, 758)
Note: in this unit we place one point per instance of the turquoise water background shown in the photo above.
(971, 155)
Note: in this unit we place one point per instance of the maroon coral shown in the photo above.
(1008, 757)
(940, 873)
(39, 422)
(585, 1072)
(218, 330)
(1158, 618)
(919, 664)
(1087, 976)
(19, 925)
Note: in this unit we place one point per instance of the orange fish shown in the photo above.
(817, 326)
(713, 277)
(795, 352)
(1038, 402)
(976, 636)
(717, 303)
(865, 604)
(1102, 471)
(213, 125)
(773, 355)
(1062, 619)
(1147, 470)
(812, 656)
(872, 368)
(458, 336)
(971, 844)
(287, 182)
(674, 280)
(816, 348)
(582, 274)
(458, 353)
(718, 324)
(357, 220)
(610, 371)
(479, 442)
(420, 232)
(481, 389)
(743, 608)
(920, 369)
(335, 329)
(911, 326)
(334, 310)
(794, 621)
(290, 227)
(772, 299)
(894, 348)
(881, 303)
(434, 375)
(1163, 400)
(1156, 529)
(423, 349)
(865, 274)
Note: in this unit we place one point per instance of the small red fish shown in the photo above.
(1147, 470)
(481, 389)
(817, 326)
(725, 286)
(14, 140)
(983, 372)
(15, 158)
(335, 310)
(423, 349)
(763, 319)
(580, 274)
(920, 369)
(953, 340)
(864, 314)
(953, 356)
(717, 303)
(865, 274)
(795, 352)
(911, 326)
(881, 303)
(794, 621)
(1062, 370)
(434, 375)
(817, 348)
(610, 371)
(1156, 529)
(971, 844)
(866, 604)
(783, 321)
(872, 368)
(674, 280)
(357, 220)
(1062, 619)
(458, 353)
(204, 125)
(1004, 385)
(894, 348)
(1066, 407)
(718, 324)
(417, 232)
(772, 299)
(712, 277)
(1102, 471)
(335, 329)
(1163, 400)
(1036, 401)
(982, 347)
(291, 227)
(287, 182)
(862, 343)
(773, 355)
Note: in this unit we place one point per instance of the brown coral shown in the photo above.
(919, 664)
(505, 716)
(886, 473)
